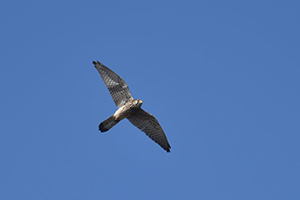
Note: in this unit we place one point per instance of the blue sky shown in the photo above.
(222, 78)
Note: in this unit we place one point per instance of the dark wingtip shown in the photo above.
(168, 148)
(97, 63)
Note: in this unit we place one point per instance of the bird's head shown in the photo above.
(137, 103)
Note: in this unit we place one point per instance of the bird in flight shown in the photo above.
(129, 108)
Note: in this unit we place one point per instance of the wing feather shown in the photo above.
(149, 124)
(117, 87)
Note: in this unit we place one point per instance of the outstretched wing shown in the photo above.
(148, 124)
(117, 87)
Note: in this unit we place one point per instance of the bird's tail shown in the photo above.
(108, 124)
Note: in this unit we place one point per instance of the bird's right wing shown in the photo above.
(117, 87)
(148, 124)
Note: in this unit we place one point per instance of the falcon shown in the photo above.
(129, 108)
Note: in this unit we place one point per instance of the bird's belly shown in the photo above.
(122, 112)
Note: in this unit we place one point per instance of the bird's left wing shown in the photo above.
(148, 124)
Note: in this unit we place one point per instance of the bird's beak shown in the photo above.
(140, 101)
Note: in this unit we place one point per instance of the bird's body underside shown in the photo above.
(122, 113)
(129, 108)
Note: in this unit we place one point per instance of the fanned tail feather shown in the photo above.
(107, 124)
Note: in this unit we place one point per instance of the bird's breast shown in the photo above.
(122, 112)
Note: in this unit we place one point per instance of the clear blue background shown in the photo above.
(222, 78)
